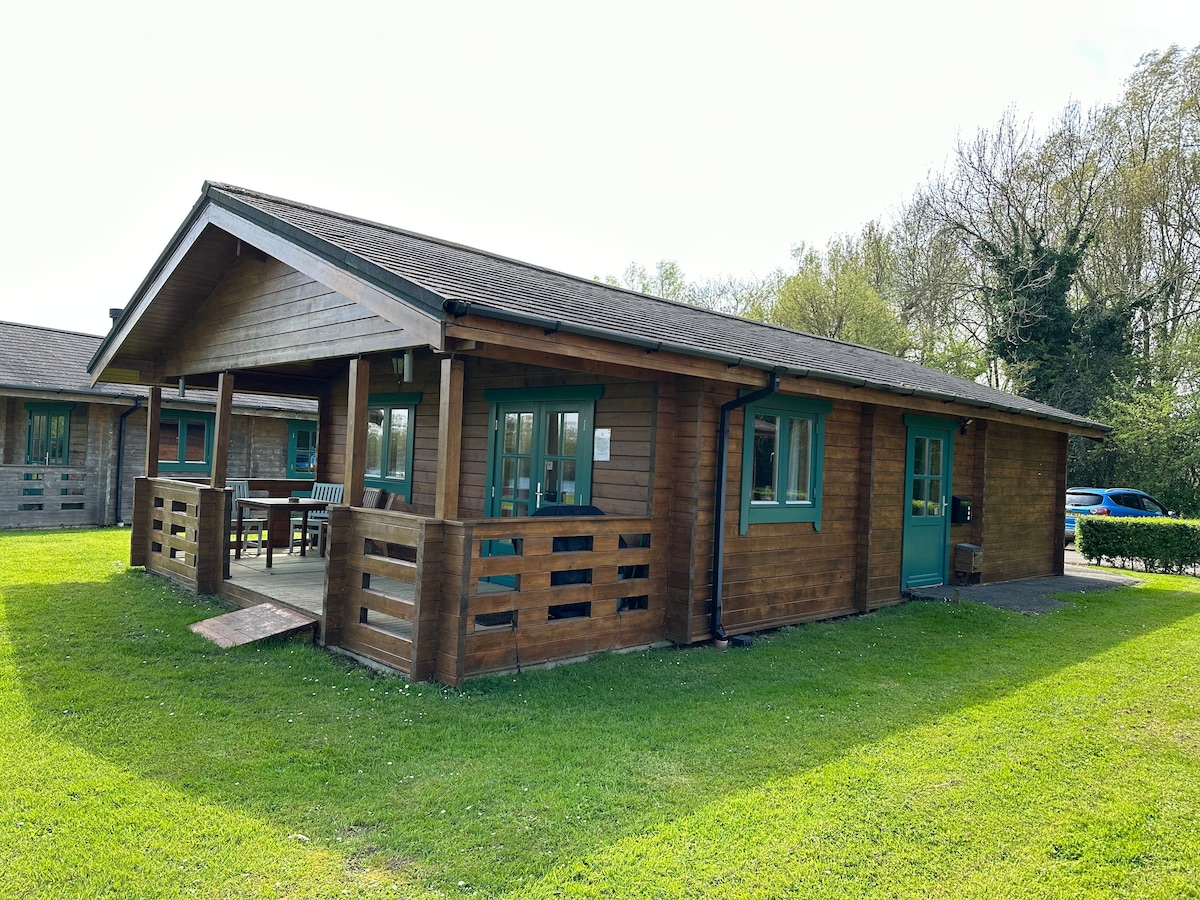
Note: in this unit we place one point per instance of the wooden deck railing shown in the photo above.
(382, 586)
(519, 592)
(450, 599)
(179, 531)
(48, 496)
(444, 599)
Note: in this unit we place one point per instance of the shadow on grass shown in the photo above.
(514, 775)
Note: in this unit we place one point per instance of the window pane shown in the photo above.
(567, 489)
(799, 459)
(918, 497)
(375, 442)
(168, 441)
(58, 439)
(935, 497)
(508, 477)
(525, 434)
(935, 456)
(398, 444)
(920, 456)
(521, 491)
(766, 450)
(195, 432)
(570, 441)
(37, 437)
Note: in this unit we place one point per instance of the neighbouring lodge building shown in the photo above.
(70, 450)
(557, 467)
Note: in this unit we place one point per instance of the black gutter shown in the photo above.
(137, 404)
(718, 570)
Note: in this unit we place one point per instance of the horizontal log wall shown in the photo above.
(620, 486)
(1022, 528)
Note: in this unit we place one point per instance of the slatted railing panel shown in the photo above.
(48, 497)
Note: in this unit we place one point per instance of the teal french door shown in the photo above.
(541, 456)
(926, 540)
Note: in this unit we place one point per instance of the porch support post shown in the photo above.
(450, 413)
(356, 432)
(153, 418)
(220, 463)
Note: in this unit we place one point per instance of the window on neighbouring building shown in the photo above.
(47, 435)
(782, 459)
(390, 425)
(185, 441)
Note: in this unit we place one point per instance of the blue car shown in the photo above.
(1086, 501)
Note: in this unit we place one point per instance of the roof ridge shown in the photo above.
(594, 281)
(98, 337)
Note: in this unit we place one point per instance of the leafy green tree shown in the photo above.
(831, 295)
(1153, 447)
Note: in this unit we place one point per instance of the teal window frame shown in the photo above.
(295, 429)
(51, 411)
(184, 418)
(779, 508)
(389, 402)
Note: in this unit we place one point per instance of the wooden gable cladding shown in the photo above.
(268, 313)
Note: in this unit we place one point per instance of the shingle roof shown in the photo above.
(491, 285)
(34, 358)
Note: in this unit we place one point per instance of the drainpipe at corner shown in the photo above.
(718, 572)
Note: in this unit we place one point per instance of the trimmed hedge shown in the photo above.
(1160, 545)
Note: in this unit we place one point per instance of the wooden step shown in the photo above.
(254, 623)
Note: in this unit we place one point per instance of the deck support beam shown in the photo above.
(450, 416)
(356, 431)
(153, 422)
(220, 461)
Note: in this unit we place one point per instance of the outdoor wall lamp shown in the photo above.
(402, 365)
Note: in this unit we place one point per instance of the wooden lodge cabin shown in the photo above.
(748, 476)
(70, 451)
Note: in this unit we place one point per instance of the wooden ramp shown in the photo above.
(254, 623)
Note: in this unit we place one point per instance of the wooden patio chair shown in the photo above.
(330, 493)
(241, 491)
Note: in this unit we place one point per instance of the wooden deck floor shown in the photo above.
(299, 582)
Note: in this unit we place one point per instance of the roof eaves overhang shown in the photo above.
(464, 308)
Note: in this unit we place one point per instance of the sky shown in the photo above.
(581, 137)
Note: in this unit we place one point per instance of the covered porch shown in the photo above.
(431, 598)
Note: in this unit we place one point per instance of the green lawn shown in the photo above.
(932, 750)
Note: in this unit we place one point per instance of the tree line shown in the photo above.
(1061, 263)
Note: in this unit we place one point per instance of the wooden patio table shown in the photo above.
(269, 505)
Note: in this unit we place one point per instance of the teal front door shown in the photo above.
(926, 541)
(540, 455)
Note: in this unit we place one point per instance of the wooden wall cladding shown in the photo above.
(1022, 531)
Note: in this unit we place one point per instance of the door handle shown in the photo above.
(538, 496)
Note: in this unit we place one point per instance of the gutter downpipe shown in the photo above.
(718, 573)
(137, 404)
